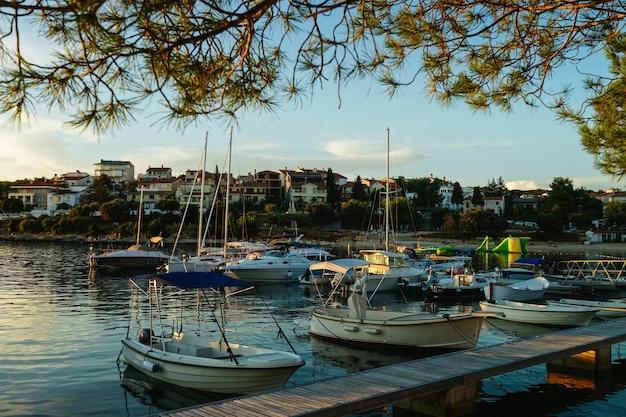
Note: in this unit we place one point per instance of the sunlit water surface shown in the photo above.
(60, 332)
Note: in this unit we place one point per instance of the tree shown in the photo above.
(115, 211)
(603, 132)
(495, 189)
(358, 190)
(457, 195)
(477, 198)
(615, 213)
(353, 214)
(426, 192)
(319, 213)
(99, 191)
(168, 204)
(333, 192)
(216, 59)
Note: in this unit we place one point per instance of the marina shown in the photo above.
(408, 381)
(62, 330)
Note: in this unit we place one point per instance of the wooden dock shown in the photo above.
(376, 388)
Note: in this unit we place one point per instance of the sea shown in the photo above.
(60, 351)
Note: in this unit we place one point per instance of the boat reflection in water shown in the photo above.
(162, 395)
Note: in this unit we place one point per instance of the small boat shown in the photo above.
(543, 314)
(144, 256)
(273, 267)
(394, 270)
(531, 289)
(459, 286)
(609, 309)
(346, 270)
(359, 326)
(187, 358)
(526, 268)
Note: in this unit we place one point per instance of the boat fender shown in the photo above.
(145, 335)
(289, 274)
(150, 366)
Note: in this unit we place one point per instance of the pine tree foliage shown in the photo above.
(108, 59)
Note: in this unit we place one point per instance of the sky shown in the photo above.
(527, 148)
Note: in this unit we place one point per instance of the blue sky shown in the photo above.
(528, 148)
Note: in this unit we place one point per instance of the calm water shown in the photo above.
(60, 334)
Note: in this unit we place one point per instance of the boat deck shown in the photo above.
(379, 387)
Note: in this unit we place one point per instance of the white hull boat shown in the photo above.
(193, 361)
(136, 256)
(542, 314)
(531, 289)
(378, 328)
(273, 267)
(609, 309)
(459, 286)
(393, 271)
(342, 270)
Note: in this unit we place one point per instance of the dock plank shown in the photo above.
(376, 388)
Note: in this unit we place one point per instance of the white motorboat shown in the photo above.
(526, 268)
(145, 256)
(543, 314)
(459, 286)
(530, 289)
(188, 359)
(394, 271)
(272, 267)
(357, 325)
(608, 309)
(342, 270)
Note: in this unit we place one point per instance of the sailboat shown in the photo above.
(148, 255)
(212, 259)
(397, 270)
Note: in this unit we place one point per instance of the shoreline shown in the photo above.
(356, 244)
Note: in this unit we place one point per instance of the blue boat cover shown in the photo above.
(195, 279)
(533, 261)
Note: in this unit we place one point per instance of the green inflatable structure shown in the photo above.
(508, 245)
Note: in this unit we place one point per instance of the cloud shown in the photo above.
(524, 185)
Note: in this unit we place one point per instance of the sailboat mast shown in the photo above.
(139, 214)
(201, 206)
(230, 145)
(387, 198)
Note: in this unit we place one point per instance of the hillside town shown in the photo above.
(293, 188)
(289, 190)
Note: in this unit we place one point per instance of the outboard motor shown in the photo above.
(145, 335)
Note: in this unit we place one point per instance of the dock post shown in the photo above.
(593, 365)
(455, 402)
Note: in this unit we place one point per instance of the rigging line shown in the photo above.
(221, 329)
(281, 333)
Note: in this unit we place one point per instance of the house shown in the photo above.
(154, 190)
(156, 173)
(34, 193)
(119, 172)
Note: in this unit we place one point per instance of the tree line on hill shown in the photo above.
(559, 207)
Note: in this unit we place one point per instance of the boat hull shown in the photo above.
(610, 309)
(533, 289)
(398, 329)
(250, 374)
(279, 271)
(542, 314)
(130, 259)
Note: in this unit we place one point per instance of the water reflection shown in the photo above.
(61, 332)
